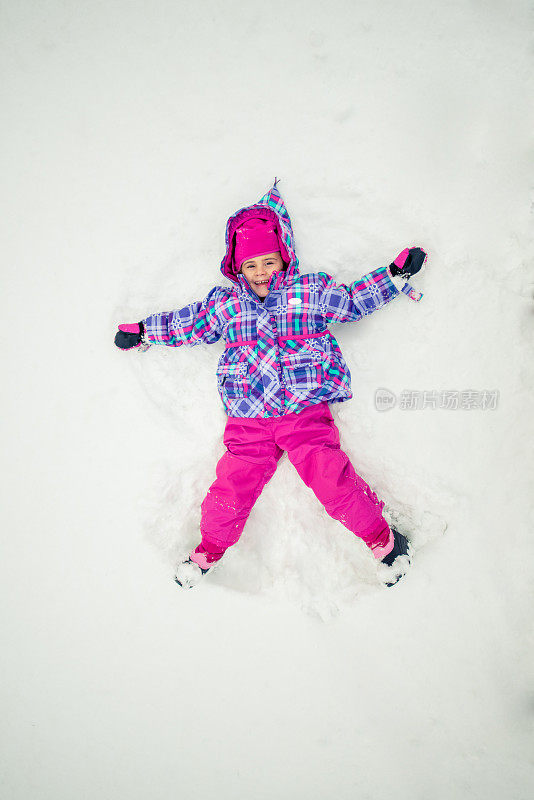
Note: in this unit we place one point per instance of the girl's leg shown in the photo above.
(311, 439)
(249, 462)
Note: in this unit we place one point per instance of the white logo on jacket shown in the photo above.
(295, 301)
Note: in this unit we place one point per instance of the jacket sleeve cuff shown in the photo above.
(152, 333)
(402, 286)
(396, 280)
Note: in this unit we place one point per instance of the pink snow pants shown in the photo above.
(253, 448)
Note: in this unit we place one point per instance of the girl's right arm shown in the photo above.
(195, 323)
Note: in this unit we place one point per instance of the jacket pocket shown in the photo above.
(233, 380)
(303, 377)
(302, 370)
(304, 357)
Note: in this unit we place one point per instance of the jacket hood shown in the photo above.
(270, 207)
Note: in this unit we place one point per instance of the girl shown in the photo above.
(280, 369)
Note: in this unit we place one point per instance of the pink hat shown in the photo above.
(255, 237)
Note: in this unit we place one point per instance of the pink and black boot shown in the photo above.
(396, 561)
(191, 571)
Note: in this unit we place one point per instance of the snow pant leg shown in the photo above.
(249, 462)
(311, 439)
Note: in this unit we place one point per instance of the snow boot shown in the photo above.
(398, 560)
(191, 571)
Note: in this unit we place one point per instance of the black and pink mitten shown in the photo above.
(130, 335)
(409, 262)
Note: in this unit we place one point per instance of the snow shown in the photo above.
(133, 131)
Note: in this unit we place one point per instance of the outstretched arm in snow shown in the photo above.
(195, 323)
(350, 302)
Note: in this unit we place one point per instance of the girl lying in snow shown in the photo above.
(280, 369)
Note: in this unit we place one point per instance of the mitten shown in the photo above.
(130, 335)
(408, 263)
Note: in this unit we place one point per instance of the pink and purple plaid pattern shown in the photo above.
(279, 356)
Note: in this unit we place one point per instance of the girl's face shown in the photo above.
(258, 271)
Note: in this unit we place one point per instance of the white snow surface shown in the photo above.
(132, 130)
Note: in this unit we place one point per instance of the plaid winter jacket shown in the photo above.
(280, 356)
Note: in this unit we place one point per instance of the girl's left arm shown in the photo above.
(342, 302)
